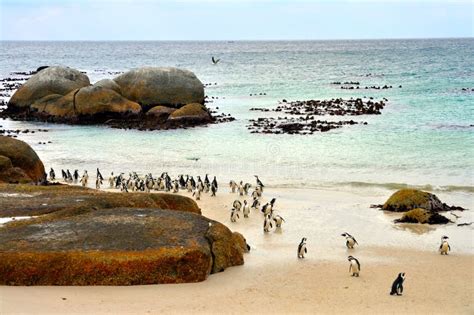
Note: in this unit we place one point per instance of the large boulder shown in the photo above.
(119, 246)
(161, 86)
(191, 113)
(160, 112)
(56, 105)
(423, 216)
(52, 80)
(408, 199)
(19, 162)
(94, 100)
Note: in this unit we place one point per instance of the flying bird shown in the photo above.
(215, 61)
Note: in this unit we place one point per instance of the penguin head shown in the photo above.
(444, 237)
(350, 258)
(303, 240)
(272, 201)
(401, 275)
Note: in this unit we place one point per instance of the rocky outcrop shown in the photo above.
(191, 114)
(143, 99)
(51, 80)
(19, 163)
(161, 86)
(118, 246)
(408, 199)
(423, 216)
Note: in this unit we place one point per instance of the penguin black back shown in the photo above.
(397, 286)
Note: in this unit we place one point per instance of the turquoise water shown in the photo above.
(423, 137)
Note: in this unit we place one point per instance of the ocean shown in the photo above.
(423, 138)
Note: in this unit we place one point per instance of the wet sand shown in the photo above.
(273, 280)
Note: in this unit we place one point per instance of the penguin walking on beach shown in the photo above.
(259, 182)
(76, 176)
(214, 183)
(267, 223)
(237, 205)
(213, 190)
(206, 180)
(241, 188)
(246, 209)
(255, 204)
(350, 240)
(444, 248)
(278, 220)
(69, 177)
(52, 174)
(354, 266)
(302, 248)
(256, 194)
(232, 186)
(175, 186)
(64, 175)
(246, 188)
(234, 215)
(111, 180)
(268, 207)
(197, 194)
(397, 286)
(99, 175)
(98, 182)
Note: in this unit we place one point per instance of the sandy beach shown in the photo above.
(273, 280)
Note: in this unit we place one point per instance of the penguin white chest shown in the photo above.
(354, 266)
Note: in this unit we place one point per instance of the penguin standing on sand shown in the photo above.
(206, 180)
(259, 182)
(267, 223)
(76, 176)
(99, 175)
(197, 194)
(241, 188)
(397, 286)
(233, 186)
(111, 180)
(98, 182)
(444, 248)
(213, 190)
(237, 205)
(214, 183)
(255, 204)
(350, 240)
(246, 209)
(268, 207)
(64, 175)
(302, 248)
(234, 215)
(69, 176)
(354, 266)
(52, 174)
(278, 220)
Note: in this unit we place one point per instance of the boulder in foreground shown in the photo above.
(423, 216)
(118, 246)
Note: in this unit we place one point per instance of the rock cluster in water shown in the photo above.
(134, 99)
(301, 117)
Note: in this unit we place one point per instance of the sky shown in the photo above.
(233, 19)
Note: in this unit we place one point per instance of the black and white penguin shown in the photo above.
(350, 240)
(69, 176)
(75, 176)
(444, 248)
(237, 205)
(255, 204)
(234, 215)
(206, 180)
(241, 188)
(213, 190)
(175, 186)
(268, 207)
(246, 188)
(98, 182)
(99, 175)
(232, 186)
(197, 194)
(246, 209)
(64, 175)
(354, 266)
(397, 286)
(182, 182)
(302, 248)
(278, 220)
(267, 223)
(259, 182)
(214, 183)
(111, 180)
(52, 174)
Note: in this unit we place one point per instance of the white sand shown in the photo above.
(273, 280)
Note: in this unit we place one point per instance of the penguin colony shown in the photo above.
(271, 220)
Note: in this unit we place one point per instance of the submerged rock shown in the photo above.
(19, 163)
(161, 86)
(51, 80)
(408, 199)
(419, 215)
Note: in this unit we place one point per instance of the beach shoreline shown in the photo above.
(273, 280)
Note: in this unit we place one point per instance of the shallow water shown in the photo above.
(423, 137)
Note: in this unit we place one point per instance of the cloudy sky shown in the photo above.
(233, 19)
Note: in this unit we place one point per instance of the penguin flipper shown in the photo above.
(449, 247)
(305, 250)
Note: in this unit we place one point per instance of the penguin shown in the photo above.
(64, 175)
(259, 191)
(397, 286)
(99, 175)
(267, 223)
(268, 207)
(246, 188)
(213, 190)
(237, 205)
(69, 176)
(234, 215)
(444, 248)
(278, 221)
(302, 248)
(197, 194)
(175, 186)
(52, 174)
(354, 266)
(206, 180)
(111, 180)
(246, 209)
(84, 181)
(189, 185)
(233, 186)
(207, 187)
(259, 182)
(76, 176)
(182, 182)
(255, 194)
(241, 189)
(214, 183)
(350, 240)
